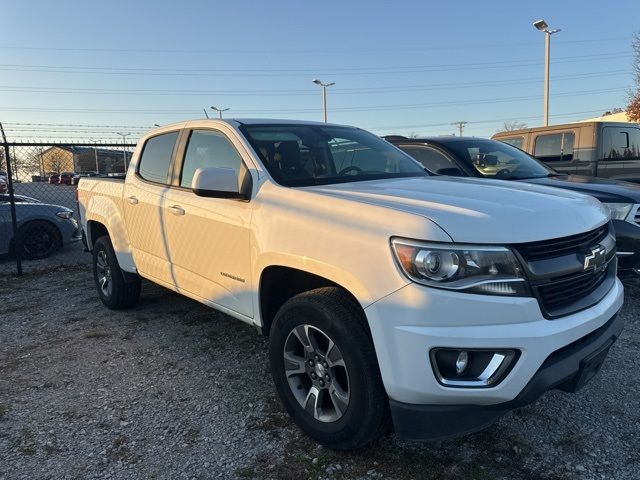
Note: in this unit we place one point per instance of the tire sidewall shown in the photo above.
(104, 245)
(314, 314)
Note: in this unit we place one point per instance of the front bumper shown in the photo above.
(407, 324)
(568, 369)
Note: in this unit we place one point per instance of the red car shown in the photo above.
(54, 178)
(66, 178)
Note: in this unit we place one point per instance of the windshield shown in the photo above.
(494, 159)
(303, 155)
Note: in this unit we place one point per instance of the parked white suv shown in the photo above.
(440, 303)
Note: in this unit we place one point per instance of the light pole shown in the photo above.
(543, 27)
(219, 110)
(124, 151)
(324, 96)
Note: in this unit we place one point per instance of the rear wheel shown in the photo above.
(39, 239)
(325, 369)
(114, 290)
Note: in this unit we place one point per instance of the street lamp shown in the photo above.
(219, 110)
(543, 27)
(324, 96)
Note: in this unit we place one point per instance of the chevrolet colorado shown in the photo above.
(390, 297)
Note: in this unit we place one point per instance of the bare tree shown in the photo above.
(511, 125)
(633, 109)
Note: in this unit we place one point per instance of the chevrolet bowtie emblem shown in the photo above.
(595, 258)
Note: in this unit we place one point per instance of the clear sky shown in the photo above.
(399, 67)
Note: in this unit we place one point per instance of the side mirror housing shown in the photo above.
(216, 182)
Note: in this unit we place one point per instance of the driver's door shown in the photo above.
(208, 239)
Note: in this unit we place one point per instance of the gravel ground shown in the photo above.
(172, 389)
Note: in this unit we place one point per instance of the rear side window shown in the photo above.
(156, 157)
(517, 142)
(430, 158)
(554, 147)
(207, 148)
(621, 143)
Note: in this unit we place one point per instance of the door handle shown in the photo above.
(133, 200)
(176, 210)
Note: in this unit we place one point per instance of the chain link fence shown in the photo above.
(46, 232)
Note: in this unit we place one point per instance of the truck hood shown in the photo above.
(479, 210)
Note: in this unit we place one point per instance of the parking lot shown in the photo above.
(72, 254)
(172, 389)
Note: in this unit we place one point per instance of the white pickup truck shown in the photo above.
(390, 297)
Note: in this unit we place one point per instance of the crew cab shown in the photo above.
(439, 303)
(483, 158)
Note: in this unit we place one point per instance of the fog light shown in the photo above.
(472, 368)
(461, 362)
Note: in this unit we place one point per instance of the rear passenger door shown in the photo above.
(209, 239)
(143, 207)
(620, 157)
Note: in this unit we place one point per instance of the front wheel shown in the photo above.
(114, 290)
(39, 239)
(325, 369)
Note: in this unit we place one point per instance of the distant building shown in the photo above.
(83, 159)
(609, 117)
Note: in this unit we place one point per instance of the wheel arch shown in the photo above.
(279, 283)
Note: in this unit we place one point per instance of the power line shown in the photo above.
(304, 72)
(295, 51)
(313, 110)
(343, 91)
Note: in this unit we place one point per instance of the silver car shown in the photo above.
(43, 228)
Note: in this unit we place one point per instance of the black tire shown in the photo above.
(39, 239)
(120, 292)
(337, 316)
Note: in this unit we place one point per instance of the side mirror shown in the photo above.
(451, 172)
(216, 182)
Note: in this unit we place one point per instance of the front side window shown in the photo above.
(304, 155)
(433, 160)
(554, 147)
(156, 157)
(517, 142)
(208, 148)
(621, 143)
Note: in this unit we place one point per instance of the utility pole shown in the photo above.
(220, 110)
(460, 126)
(543, 27)
(124, 151)
(324, 96)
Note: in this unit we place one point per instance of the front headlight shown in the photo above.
(488, 270)
(619, 211)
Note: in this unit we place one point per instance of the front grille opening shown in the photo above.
(561, 246)
(569, 290)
